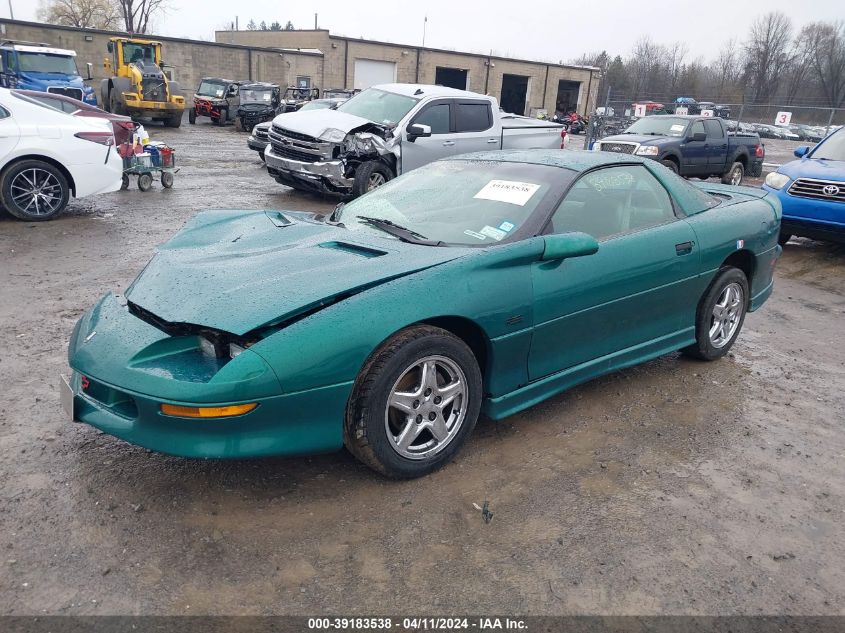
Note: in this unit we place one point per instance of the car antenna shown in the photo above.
(418, 92)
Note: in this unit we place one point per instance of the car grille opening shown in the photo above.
(295, 146)
(818, 189)
(295, 135)
(621, 148)
(73, 93)
(153, 90)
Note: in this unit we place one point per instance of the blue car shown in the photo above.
(812, 191)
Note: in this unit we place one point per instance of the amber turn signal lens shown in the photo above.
(207, 412)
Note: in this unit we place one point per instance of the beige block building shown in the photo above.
(521, 86)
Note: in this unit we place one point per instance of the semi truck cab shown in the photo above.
(33, 66)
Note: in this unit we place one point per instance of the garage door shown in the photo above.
(369, 72)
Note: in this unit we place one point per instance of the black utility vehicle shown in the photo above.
(260, 101)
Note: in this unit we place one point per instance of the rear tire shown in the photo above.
(174, 121)
(369, 176)
(261, 156)
(124, 182)
(783, 238)
(671, 165)
(734, 175)
(167, 179)
(414, 403)
(49, 195)
(145, 182)
(720, 315)
(115, 105)
(221, 120)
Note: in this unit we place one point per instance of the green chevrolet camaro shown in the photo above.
(483, 283)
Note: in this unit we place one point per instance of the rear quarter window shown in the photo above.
(473, 117)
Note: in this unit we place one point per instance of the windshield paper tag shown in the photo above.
(493, 232)
(508, 191)
(507, 227)
(474, 234)
(677, 128)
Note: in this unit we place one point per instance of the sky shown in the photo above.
(545, 31)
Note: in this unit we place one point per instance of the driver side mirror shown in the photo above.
(418, 130)
(233, 90)
(90, 71)
(698, 137)
(801, 151)
(566, 245)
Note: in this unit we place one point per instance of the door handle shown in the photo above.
(448, 143)
(684, 248)
(492, 140)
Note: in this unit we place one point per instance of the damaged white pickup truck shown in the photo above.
(388, 130)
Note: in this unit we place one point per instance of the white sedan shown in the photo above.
(46, 156)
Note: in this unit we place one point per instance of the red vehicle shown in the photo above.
(123, 126)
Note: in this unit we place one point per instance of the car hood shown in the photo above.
(316, 122)
(820, 168)
(643, 139)
(237, 271)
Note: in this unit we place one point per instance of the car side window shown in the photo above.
(697, 128)
(473, 117)
(613, 201)
(4, 113)
(714, 129)
(437, 116)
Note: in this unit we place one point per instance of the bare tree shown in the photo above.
(726, 66)
(827, 59)
(767, 53)
(136, 14)
(251, 26)
(677, 52)
(92, 14)
(643, 64)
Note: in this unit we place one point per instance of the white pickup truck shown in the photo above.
(388, 130)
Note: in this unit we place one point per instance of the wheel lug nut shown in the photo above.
(416, 404)
(438, 400)
(432, 416)
(427, 393)
(419, 418)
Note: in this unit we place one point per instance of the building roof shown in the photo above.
(425, 90)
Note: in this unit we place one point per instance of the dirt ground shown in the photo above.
(674, 487)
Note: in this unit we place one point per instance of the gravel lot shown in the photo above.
(673, 487)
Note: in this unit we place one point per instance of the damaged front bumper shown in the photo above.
(323, 176)
(257, 145)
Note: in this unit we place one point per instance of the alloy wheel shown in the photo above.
(426, 407)
(37, 192)
(727, 313)
(376, 180)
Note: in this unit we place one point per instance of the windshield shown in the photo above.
(211, 89)
(47, 63)
(831, 149)
(256, 95)
(138, 53)
(659, 126)
(378, 106)
(322, 104)
(461, 202)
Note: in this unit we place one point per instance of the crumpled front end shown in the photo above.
(126, 371)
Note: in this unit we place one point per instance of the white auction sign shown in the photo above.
(639, 110)
(783, 118)
(707, 113)
(682, 110)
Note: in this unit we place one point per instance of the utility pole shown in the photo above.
(315, 21)
(11, 10)
(425, 21)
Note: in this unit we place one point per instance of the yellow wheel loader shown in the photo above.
(136, 85)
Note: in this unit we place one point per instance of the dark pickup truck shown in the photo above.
(691, 146)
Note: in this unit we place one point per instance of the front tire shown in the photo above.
(720, 315)
(192, 116)
(174, 121)
(671, 165)
(34, 190)
(734, 175)
(783, 238)
(414, 403)
(369, 176)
